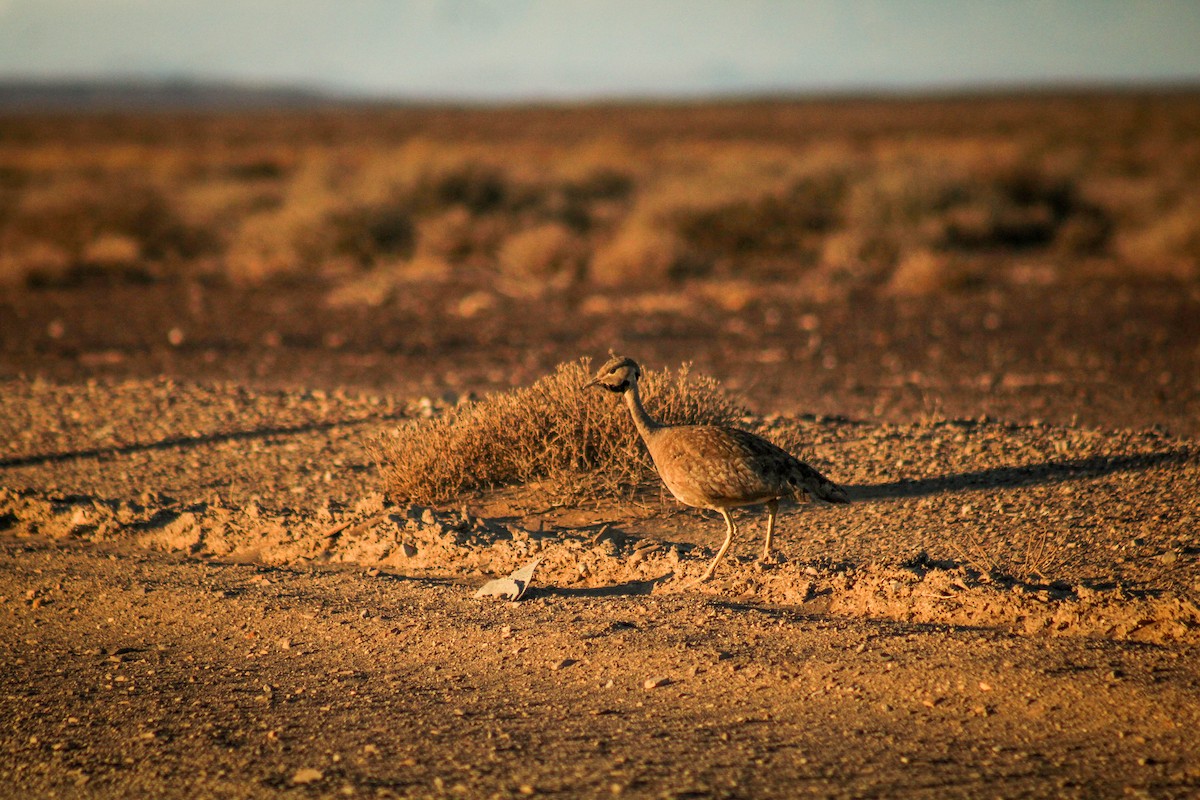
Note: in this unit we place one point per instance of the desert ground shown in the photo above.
(981, 316)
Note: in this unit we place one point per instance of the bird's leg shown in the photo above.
(772, 507)
(729, 529)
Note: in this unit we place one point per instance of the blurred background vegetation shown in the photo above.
(899, 196)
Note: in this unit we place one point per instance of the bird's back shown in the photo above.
(709, 466)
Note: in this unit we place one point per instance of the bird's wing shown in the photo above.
(725, 465)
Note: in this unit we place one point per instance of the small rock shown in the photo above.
(307, 775)
(655, 683)
(563, 664)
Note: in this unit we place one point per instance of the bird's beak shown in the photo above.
(591, 383)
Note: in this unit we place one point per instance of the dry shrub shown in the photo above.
(769, 235)
(579, 441)
(478, 187)
(1018, 210)
(1167, 245)
(90, 222)
(1025, 557)
(287, 238)
(917, 225)
(643, 252)
(600, 183)
(456, 237)
(545, 251)
(370, 234)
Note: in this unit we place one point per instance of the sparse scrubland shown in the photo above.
(280, 390)
(910, 196)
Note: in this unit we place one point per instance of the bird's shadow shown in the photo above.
(1047, 472)
(627, 589)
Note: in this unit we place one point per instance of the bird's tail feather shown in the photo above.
(817, 485)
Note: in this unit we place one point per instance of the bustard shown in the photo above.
(711, 466)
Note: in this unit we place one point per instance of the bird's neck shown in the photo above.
(641, 420)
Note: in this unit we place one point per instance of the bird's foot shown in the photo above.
(770, 560)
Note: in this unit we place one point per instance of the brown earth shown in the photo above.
(980, 315)
(207, 593)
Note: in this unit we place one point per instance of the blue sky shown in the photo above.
(532, 49)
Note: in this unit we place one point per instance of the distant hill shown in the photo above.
(84, 95)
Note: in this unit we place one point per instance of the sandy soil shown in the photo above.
(206, 593)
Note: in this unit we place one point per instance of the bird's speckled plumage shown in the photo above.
(711, 466)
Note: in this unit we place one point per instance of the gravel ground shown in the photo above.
(207, 594)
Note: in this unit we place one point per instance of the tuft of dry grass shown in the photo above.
(1029, 558)
(579, 442)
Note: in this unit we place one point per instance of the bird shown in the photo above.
(716, 467)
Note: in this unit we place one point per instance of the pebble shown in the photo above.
(655, 683)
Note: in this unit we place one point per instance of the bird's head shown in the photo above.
(617, 375)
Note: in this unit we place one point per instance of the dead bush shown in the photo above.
(82, 220)
(456, 237)
(1169, 244)
(545, 251)
(1021, 210)
(771, 235)
(644, 252)
(479, 188)
(370, 234)
(580, 442)
(920, 226)
(602, 183)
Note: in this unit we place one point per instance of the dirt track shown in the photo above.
(1008, 608)
(152, 675)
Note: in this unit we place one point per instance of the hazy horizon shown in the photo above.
(533, 50)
